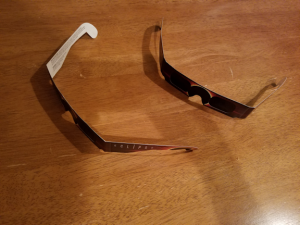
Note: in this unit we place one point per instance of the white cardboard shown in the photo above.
(58, 59)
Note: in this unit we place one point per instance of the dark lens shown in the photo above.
(222, 104)
(180, 82)
(87, 130)
(66, 105)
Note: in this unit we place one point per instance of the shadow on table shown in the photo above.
(52, 105)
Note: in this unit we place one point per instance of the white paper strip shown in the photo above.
(58, 59)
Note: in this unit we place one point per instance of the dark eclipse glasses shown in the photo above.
(56, 63)
(184, 84)
(209, 98)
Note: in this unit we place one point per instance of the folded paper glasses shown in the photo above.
(209, 98)
(175, 78)
(53, 67)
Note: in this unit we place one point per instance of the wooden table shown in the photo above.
(246, 171)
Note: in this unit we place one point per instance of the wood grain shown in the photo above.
(246, 171)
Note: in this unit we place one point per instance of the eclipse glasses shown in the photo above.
(175, 78)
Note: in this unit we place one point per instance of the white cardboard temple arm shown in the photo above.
(58, 59)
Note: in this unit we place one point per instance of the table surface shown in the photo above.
(246, 171)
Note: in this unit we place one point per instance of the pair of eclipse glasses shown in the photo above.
(175, 78)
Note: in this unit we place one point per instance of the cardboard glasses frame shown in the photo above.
(209, 98)
(56, 63)
(175, 78)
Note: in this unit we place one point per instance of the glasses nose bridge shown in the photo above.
(66, 105)
(197, 90)
(74, 115)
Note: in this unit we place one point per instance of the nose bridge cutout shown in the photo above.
(196, 90)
